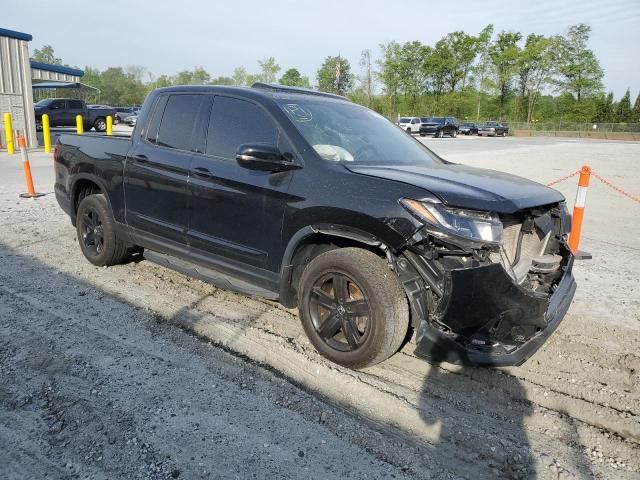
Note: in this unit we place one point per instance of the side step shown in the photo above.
(208, 275)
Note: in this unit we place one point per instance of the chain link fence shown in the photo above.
(591, 127)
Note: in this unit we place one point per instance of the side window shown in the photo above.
(57, 105)
(75, 105)
(156, 116)
(177, 125)
(234, 122)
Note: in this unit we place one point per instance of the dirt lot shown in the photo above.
(138, 372)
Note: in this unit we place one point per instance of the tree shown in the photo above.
(536, 67)
(604, 108)
(46, 55)
(197, 76)
(268, 70)
(504, 54)
(294, 78)
(457, 50)
(222, 80)
(484, 41)
(239, 76)
(367, 79)
(327, 78)
(623, 108)
(580, 71)
(390, 74)
(636, 109)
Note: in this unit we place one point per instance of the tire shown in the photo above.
(423, 134)
(96, 231)
(332, 322)
(438, 134)
(100, 124)
(409, 131)
(454, 134)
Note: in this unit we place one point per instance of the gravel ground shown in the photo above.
(139, 372)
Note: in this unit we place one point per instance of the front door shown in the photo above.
(157, 170)
(236, 215)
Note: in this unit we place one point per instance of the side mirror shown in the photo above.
(263, 157)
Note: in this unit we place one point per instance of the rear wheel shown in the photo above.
(409, 130)
(352, 307)
(96, 231)
(100, 124)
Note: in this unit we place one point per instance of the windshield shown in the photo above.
(405, 120)
(344, 132)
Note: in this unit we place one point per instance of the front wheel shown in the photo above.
(96, 231)
(352, 307)
(454, 134)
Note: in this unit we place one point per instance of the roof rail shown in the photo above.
(275, 87)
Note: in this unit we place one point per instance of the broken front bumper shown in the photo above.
(489, 320)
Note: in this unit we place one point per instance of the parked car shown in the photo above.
(493, 129)
(439, 126)
(468, 128)
(305, 198)
(410, 124)
(131, 120)
(62, 112)
(123, 112)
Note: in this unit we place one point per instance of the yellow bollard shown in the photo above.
(8, 130)
(109, 125)
(79, 125)
(46, 133)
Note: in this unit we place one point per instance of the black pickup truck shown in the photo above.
(307, 199)
(62, 112)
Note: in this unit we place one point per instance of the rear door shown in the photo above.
(157, 170)
(236, 215)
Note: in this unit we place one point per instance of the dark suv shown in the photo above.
(439, 126)
(308, 199)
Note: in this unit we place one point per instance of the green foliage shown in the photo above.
(326, 76)
(268, 70)
(623, 109)
(46, 55)
(294, 78)
(636, 109)
(580, 71)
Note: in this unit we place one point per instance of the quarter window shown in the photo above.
(234, 122)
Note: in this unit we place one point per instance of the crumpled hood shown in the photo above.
(468, 187)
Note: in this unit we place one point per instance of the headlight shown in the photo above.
(469, 224)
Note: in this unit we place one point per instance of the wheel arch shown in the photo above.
(311, 241)
(83, 185)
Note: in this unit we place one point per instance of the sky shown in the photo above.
(167, 36)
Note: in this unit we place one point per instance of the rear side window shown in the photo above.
(178, 121)
(155, 118)
(234, 122)
(75, 105)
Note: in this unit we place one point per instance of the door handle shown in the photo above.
(202, 172)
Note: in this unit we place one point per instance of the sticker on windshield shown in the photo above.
(298, 112)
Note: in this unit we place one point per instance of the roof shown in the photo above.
(67, 85)
(13, 34)
(275, 87)
(57, 69)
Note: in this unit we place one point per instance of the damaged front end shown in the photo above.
(486, 289)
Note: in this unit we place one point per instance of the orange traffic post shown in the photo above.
(578, 208)
(31, 191)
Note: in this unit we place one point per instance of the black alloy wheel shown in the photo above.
(340, 311)
(92, 231)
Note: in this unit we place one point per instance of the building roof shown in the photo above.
(57, 69)
(13, 34)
